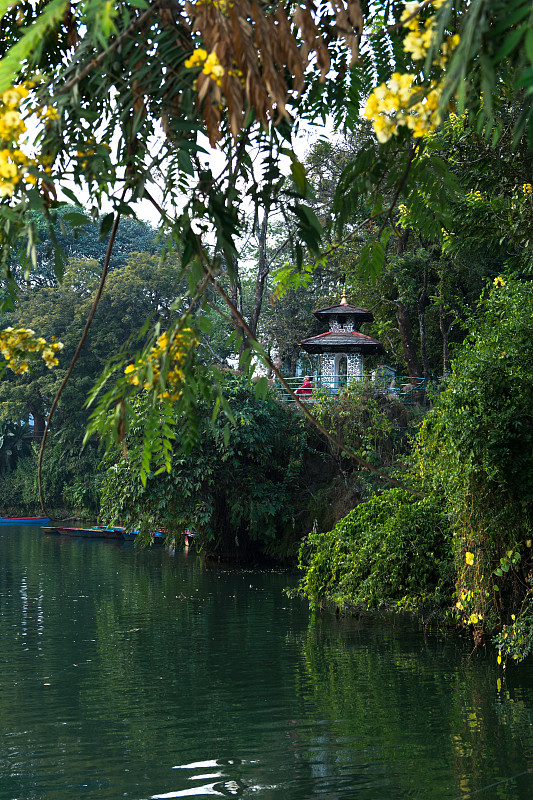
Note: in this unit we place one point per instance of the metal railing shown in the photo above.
(402, 387)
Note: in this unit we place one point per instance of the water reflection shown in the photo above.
(423, 711)
(139, 675)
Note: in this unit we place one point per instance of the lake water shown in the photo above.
(139, 674)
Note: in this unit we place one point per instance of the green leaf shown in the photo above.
(372, 260)
(299, 176)
(59, 263)
(509, 20)
(75, 218)
(261, 388)
(28, 45)
(71, 196)
(529, 44)
(106, 225)
(511, 42)
(526, 80)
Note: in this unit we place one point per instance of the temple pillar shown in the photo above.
(355, 367)
(327, 369)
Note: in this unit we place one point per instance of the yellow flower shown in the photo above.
(11, 98)
(17, 344)
(469, 558)
(409, 10)
(8, 169)
(213, 68)
(499, 281)
(6, 188)
(198, 57)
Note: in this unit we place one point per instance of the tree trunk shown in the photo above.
(262, 273)
(445, 331)
(39, 422)
(408, 346)
(422, 303)
(236, 299)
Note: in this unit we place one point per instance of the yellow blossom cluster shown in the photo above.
(14, 163)
(221, 5)
(47, 113)
(527, 188)
(475, 196)
(210, 63)
(398, 102)
(394, 103)
(421, 35)
(499, 281)
(171, 350)
(19, 346)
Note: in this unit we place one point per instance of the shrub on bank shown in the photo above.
(391, 550)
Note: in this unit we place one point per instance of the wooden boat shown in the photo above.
(94, 532)
(23, 520)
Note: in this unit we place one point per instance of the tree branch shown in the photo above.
(65, 380)
(95, 62)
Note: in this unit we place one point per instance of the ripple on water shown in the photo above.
(225, 784)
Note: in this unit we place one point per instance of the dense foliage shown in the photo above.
(140, 289)
(119, 98)
(390, 550)
(477, 447)
(370, 421)
(237, 489)
(159, 76)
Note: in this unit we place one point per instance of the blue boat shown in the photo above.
(24, 520)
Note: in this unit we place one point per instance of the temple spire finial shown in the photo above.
(344, 301)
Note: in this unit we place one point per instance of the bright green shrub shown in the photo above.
(388, 550)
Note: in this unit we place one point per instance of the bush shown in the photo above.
(388, 550)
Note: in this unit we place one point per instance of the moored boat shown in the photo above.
(24, 520)
(93, 532)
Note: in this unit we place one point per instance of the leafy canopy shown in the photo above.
(117, 97)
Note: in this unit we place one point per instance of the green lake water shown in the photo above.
(142, 674)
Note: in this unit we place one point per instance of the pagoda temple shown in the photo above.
(342, 347)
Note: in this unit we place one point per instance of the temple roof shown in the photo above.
(344, 310)
(342, 342)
